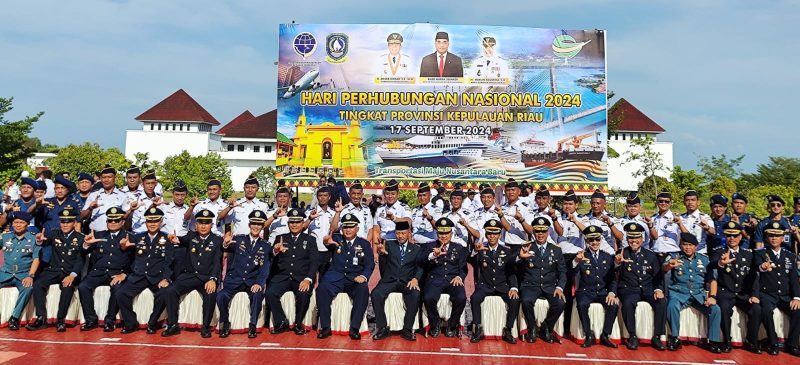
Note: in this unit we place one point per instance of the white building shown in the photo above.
(36, 161)
(634, 124)
(248, 143)
(180, 123)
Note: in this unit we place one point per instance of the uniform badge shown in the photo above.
(530, 265)
(162, 241)
(141, 251)
(588, 272)
(101, 250)
(58, 241)
(339, 249)
(485, 264)
(194, 249)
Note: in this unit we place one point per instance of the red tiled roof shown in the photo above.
(262, 126)
(245, 116)
(633, 120)
(178, 107)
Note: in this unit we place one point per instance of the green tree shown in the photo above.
(615, 117)
(195, 171)
(649, 160)
(266, 179)
(714, 167)
(15, 145)
(410, 196)
(721, 185)
(758, 198)
(88, 157)
(652, 185)
(684, 180)
(778, 171)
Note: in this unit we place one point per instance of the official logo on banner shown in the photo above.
(336, 46)
(565, 46)
(305, 44)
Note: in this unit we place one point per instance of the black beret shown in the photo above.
(512, 184)
(392, 185)
(487, 191)
(107, 169)
(775, 199)
(133, 169)
(85, 176)
(598, 194)
(570, 196)
(690, 192)
(251, 180)
(423, 188)
(150, 175)
(458, 193)
(180, 187)
(664, 194)
(689, 238)
(739, 196)
(214, 182)
(542, 191)
(719, 199)
(633, 198)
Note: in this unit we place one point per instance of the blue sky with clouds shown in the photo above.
(718, 75)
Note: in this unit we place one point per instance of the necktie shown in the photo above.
(491, 253)
(541, 249)
(394, 59)
(441, 65)
(402, 252)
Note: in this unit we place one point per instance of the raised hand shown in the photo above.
(480, 247)
(726, 259)
(381, 246)
(194, 201)
(580, 256)
(673, 263)
(338, 206)
(676, 219)
(525, 253)
(553, 214)
(40, 238)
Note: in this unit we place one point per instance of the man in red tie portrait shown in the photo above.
(441, 63)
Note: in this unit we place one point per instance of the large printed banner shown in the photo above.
(455, 102)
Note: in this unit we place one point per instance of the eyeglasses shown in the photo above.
(592, 239)
(731, 235)
(492, 234)
(540, 231)
(113, 220)
(775, 205)
(664, 201)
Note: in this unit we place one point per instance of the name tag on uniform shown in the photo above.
(355, 260)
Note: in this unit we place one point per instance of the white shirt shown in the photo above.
(279, 225)
(516, 235)
(571, 239)
(364, 216)
(489, 67)
(423, 230)
(692, 222)
(137, 217)
(460, 232)
(320, 226)
(608, 237)
(215, 207)
(481, 216)
(389, 65)
(239, 216)
(536, 213)
(13, 192)
(399, 210)
(51, 189)
(668, 233)
(621, 222)
(173, 219)
(105, 201)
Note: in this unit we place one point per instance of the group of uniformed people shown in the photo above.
(521, 249)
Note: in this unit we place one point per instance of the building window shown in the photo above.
(180, 126)
(159, 126)
(256, 148)
(240, 148)
(267, 149)
(152, 126)
(230, 148)
(623, 136)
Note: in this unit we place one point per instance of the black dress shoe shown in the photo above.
(508, 337)
(605, 341)
(657, 344)
(205, 332)
(478, 335)
(127, 330)
(109, 326)
(714, 347)
(434, 331)
(381, 333)
(324, 333)
(588, 341)
(632, 343)
(672, 343)
(752, 347)
(300, 329)
(725, 347)
(530, 336)
(171, 330)
(793, 350)
(88, 326)
(152, 329)
(451, 332)
(251, 331)
(354, 334)
(281, 328)
(408, 335)
(38, 323)
(13, 324)
(548, 336)
(225, 330)
(61, 326)
(773, 350)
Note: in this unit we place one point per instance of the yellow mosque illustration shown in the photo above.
(328, 145)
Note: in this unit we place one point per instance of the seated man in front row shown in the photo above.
(294, 268)
(690, 273)
(640, 279)
(352, 263)
(542, 274)
(247, 271)
(446, 270)
(201, 269)
(495, 268)
(20, 262)
(597, 284)
(400, 272)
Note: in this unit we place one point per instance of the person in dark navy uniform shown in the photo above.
(640, 279)
(151, 269)
(542, 273)
(445, 265)
(200, 269)
(351, 266)
(597, 283)
(692, 284)
(20, 263)
(247, 271)
(48, 210)
(496, 275)
(295, 260)
(398, 261)
(737, 286)
(65, 268)
(778, 287)
(110, 265)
